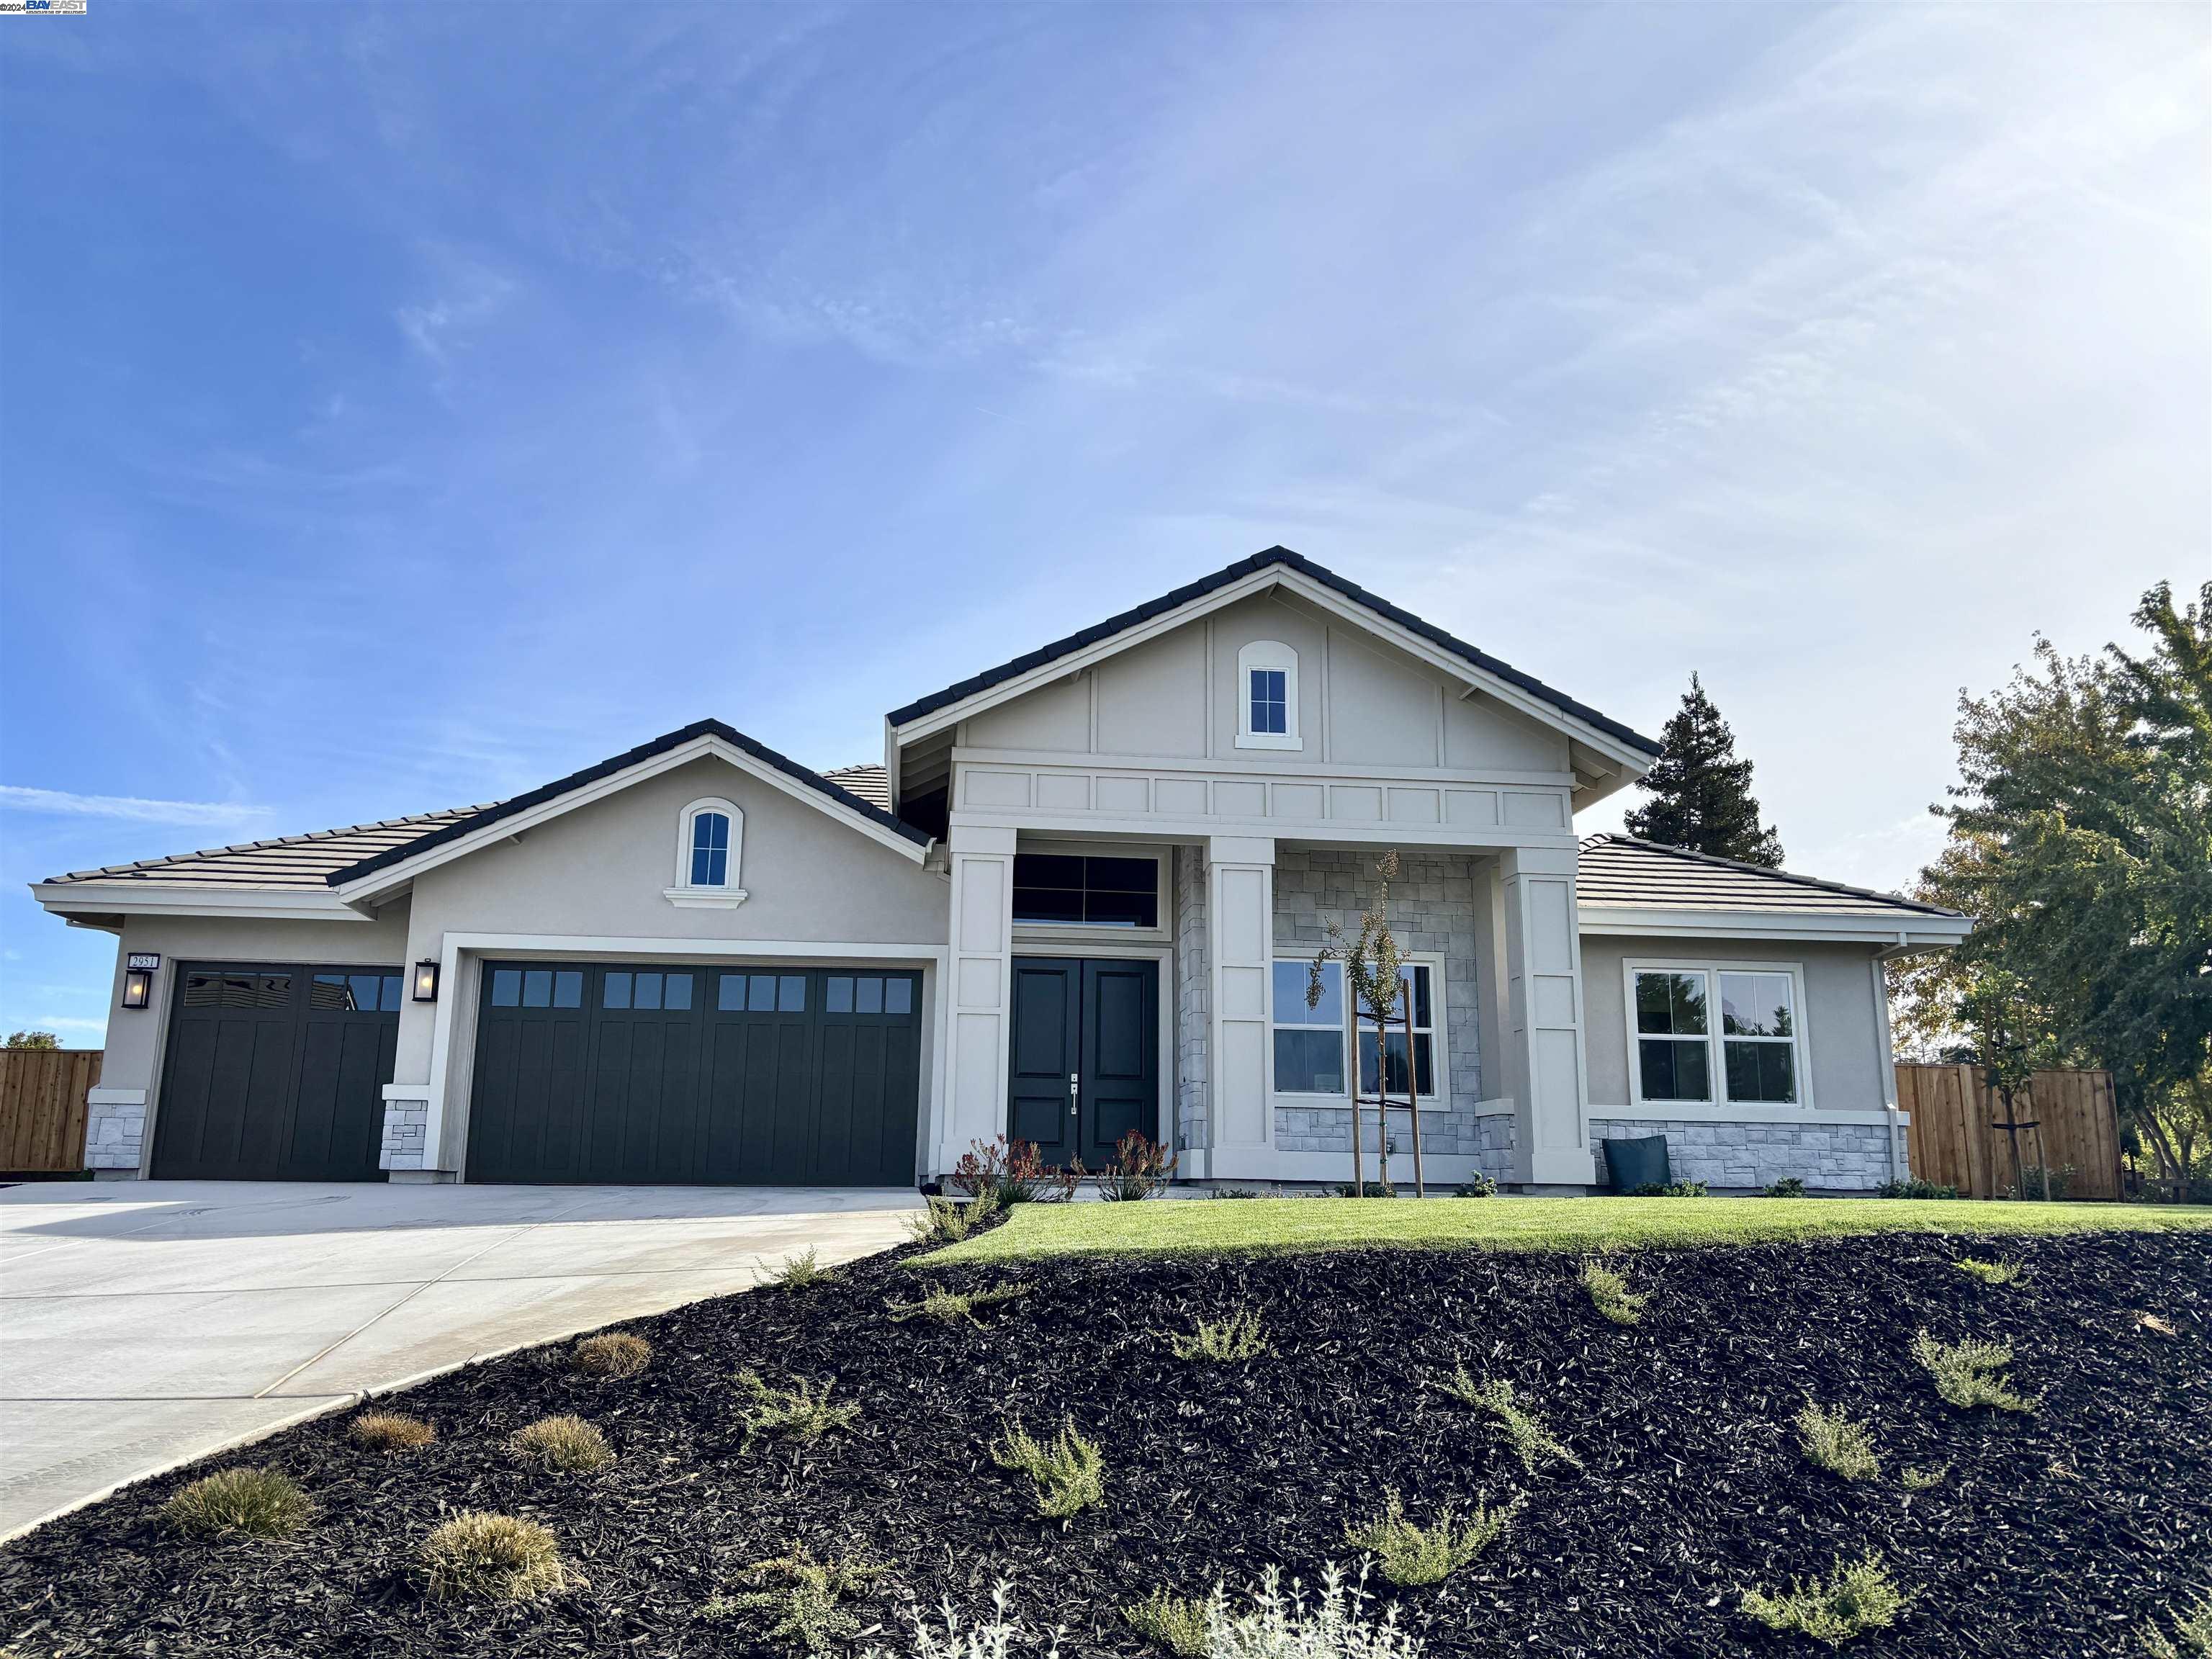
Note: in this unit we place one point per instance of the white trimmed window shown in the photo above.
(710, 842)
(1268, 696)
(1706, 1034)
(1312, 1044)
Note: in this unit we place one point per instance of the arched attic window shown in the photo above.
(1268, 696)
(710, 843)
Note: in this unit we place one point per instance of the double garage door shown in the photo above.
(602, 1072)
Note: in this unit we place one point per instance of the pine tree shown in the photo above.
(1701, 792)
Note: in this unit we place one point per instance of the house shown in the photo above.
(1079, 897)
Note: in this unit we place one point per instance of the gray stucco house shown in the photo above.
(1078, 897)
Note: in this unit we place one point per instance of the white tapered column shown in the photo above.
(977, 1002)
(1544, 1067)
(1240, 913)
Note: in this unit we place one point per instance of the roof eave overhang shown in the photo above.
(378, 885)
(1472, 678)
(74, 899)
(1908, 931)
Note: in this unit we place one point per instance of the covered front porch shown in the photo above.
(1184, 1014)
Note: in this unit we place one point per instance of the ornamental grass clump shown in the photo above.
(1610, 1295)
(1068, 1472)
(801, 1412)
(798, 1601)
(495, 1557)
(1853, 1600)
(1181, 1624)
(566, 1443)
(1534, 1444)
(1991, 1272)
(390, 1431)
(1838, 1444)
(802, 1272)
(2192, 1633)
(949, 1307)
(240, 1503)
(1411, 1555)
(1222, 1341)
(945, 1222)
(1970, 1373)
(611, 1353)
(1915, 1479)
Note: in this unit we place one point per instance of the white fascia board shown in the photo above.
(1919, 932)
(156, 898)
(374, 887)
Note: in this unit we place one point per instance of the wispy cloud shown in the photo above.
(206, 814)
(469, 293)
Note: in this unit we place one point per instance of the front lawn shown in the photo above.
(1187, 1226)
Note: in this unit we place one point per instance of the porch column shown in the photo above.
(977, 1001)
(1240, 914)
(1544, 1061)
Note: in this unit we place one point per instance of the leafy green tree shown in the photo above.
(2081, 839)
(1701, 792)
(32, 1040)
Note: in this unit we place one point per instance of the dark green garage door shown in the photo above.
(275, 1071)
(703, 1075)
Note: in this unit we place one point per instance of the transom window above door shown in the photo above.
(1711, 1035)
(710, 841)
(1267, 695)
(1075, 890)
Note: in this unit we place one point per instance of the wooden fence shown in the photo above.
(1954, 1142)
(42, 1108)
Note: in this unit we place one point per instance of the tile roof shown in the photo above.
(293, 862)
(1237, 572)
(1620, 872)
(868, 781)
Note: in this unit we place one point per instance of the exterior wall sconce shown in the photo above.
(426, 981)
(138, 970)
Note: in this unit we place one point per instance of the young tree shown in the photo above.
(1700, 792)
(32, 1040)
(1373, 968)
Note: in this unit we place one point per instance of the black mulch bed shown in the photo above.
(2055, 1534)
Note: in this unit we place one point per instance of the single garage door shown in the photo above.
(602, 1071)
(275, 1071)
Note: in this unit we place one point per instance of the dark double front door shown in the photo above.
(1084, 1068)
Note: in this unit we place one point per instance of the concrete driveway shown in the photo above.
(146, 1323)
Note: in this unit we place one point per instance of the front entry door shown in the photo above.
(1084, 1068)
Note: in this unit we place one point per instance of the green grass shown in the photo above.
(1270, 1224)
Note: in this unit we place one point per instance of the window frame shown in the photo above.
(686, 894)
(1439, 1097)
(1272, 655)
(1715, 1038)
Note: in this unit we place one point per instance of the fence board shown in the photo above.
(1953, 1139)
(42, 1108)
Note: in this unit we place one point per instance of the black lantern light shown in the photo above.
(426, 981)
(138, 970)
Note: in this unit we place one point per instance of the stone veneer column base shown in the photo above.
(115, 1132)
(406, 1128)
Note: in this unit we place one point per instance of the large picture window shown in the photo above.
(1710, 1036)
(1312, 1044)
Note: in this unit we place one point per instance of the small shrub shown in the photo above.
(1918, 1479)
(1788, 1187)
(1991, 1272)
(1851, 1601)
(1535, 1444)
(1068, 1471)
(1477, 1185)
(2038, 1182)
(2192, 1633)
(1838, 1444)
(566, 1443)
(945, 1222)
(1232, 1192)
(950, 1306)
(801, 1412)
(1610, 1295)
(1334, 1624)
(611, 1353)
(1411, 1555)
(1140, 1169)
(1012, 1172)
(501, 1558)
(802, 1272)
(1970, 1373)
(1181, 1624)
(240, 1503)
(1223, 1341)
(390, 1431)
(798, 1602)
(1914, 1186)
(1672, 1189)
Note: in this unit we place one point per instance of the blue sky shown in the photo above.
(404, 406)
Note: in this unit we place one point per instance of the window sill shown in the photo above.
(1339, 1103)
(705, 898)
(1268, 740)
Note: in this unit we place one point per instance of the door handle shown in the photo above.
(1074, 1091)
